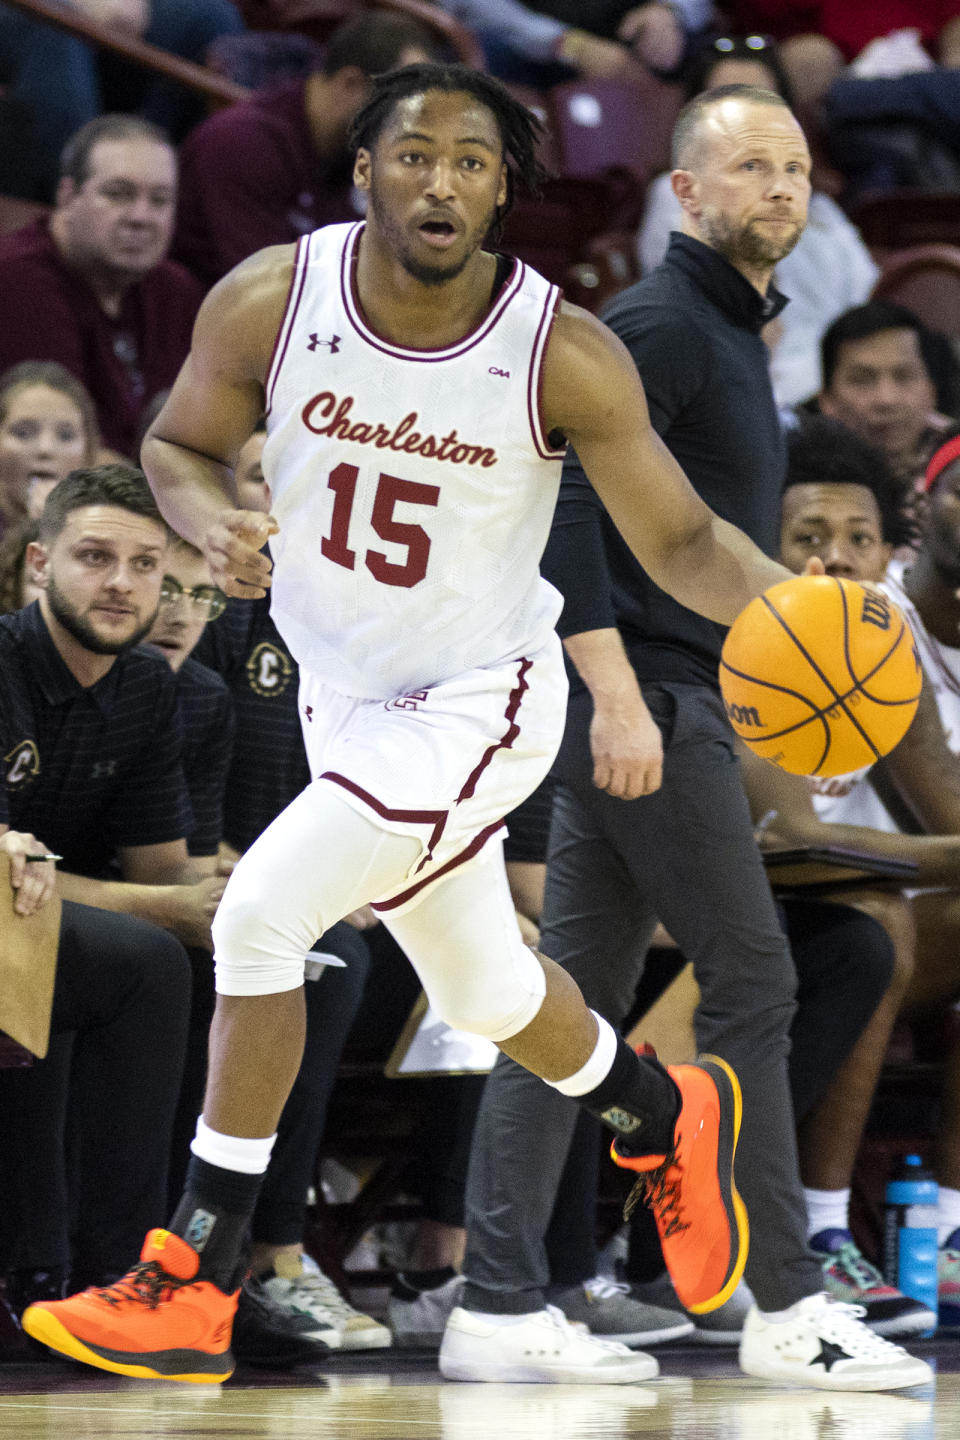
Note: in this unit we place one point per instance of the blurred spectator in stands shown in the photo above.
(819, 40)
(48, 427)
(63, 82)
(91, 288)
(541, 42)
(18, 586)
(273, 168)
(879, 366)
(829, 270)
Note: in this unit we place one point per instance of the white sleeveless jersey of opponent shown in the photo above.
(851, 799)
(414, 489)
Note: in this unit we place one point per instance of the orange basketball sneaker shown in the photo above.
(157, 1323)
(701, 1219)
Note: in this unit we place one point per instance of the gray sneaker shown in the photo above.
(723, 1326)
(419, 1317)
(611, 1312)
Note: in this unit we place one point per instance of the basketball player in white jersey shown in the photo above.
(419, 392)
(837, 507)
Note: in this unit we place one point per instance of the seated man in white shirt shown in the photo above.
(840, 504)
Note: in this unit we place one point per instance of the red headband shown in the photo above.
(940, 459)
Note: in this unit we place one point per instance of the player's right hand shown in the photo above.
(233, 548)
(627, 748)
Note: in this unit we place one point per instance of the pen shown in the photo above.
(43, 857)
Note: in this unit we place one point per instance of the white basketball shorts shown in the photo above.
(445, 764)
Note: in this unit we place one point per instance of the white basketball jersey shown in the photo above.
(414, 489)
(941, 663)
(851, 799)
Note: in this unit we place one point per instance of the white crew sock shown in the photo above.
(231, 1152)
(827, 1210)
(597, 1068)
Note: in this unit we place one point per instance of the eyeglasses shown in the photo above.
(209, 600)
(726, 44)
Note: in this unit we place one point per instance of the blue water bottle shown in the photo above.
(910, 1239)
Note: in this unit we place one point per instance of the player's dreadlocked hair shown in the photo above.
(520, 130)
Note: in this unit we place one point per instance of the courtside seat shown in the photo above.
(926, 279)
(370, 1126)
(579, 234)
(603, 125)
(898, 219)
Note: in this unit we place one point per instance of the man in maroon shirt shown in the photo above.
(89, 286)
(270, 169)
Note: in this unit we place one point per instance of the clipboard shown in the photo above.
(829, 867)
(428, 1046)
(28, 967)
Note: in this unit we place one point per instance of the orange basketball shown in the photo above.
(820, 676)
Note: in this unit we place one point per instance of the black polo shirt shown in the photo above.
(693, 328)
(269, 766)
(88, 770)
(208, 730)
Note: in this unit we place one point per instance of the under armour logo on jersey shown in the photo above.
(333, 345)
(103, 769)
(308, 711)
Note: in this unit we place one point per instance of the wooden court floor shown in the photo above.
(383, 1395)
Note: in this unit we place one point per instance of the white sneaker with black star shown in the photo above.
(825, 1345)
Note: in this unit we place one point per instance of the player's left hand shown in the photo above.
(233, 548)
(814, 566)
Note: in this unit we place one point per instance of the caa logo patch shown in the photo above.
(22, 764)
(269, 670)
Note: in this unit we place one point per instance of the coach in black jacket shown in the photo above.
(650, 820)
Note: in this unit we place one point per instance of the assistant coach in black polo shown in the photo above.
(90, 735)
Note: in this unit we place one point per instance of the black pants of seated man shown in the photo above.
(85, 1132)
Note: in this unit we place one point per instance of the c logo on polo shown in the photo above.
(269, 670)
(22, 764)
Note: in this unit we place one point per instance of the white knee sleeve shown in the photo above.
(319, 860)
(464, 943)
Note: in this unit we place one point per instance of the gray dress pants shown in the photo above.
(686, 856)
